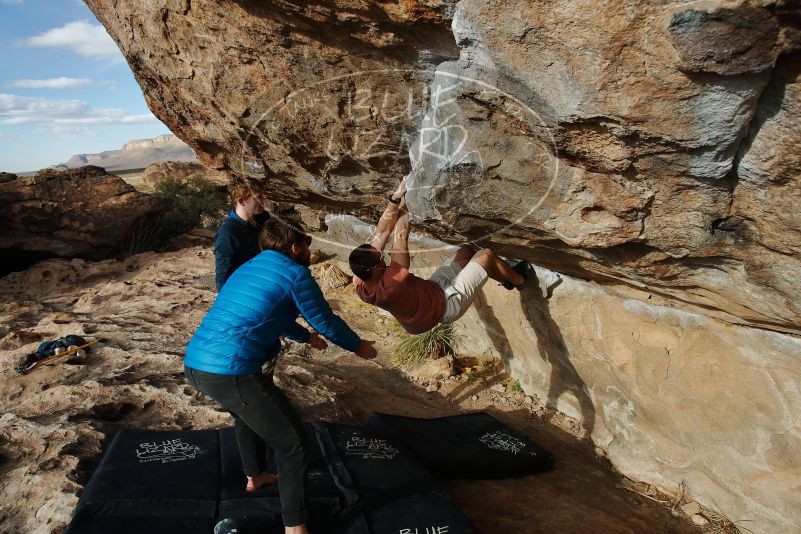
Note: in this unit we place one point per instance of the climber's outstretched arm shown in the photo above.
(388, 219)
(385, 225)
(400, 237)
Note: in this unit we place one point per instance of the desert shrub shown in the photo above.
(197, 203)
(143, 234)
(442, 340)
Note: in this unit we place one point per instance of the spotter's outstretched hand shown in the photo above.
(367, 350)
(316, 342)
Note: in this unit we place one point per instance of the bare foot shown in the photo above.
(254, 483)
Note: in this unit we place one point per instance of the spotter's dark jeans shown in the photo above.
(265, 423)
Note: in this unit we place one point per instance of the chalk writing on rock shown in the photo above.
(370, 449)
(173, 450)
(427, 530)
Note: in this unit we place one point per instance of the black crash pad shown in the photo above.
(469, 446)
(421, 513)
(359, 480)
(385, 486)
(157, 473)
(155, 482)
(88, 523)
(368, 461)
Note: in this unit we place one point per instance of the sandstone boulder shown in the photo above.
(602, 141)
(75, 212)
(182, 172)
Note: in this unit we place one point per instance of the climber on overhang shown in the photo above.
(418, 304)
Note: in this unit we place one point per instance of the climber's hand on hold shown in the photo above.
(367, 350)
(316, 342)
(402, 188)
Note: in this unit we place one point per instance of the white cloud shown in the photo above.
(81, 37)
(59, 114)
(70, 131)
(52, 83)
(15, 2)
(62, 82)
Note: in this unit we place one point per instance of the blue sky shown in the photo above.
(64, 86)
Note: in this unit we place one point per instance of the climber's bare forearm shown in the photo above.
(400, 238)
(385, 225)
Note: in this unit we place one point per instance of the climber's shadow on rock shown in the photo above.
(552, 348)
(550, 345)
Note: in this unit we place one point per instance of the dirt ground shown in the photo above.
(57, 419)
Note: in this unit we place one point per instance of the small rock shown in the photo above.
(699, 520)
(691, 508)
(474, 398)
(599, 452)
(437, 369)
(432, 388)
(528, 400)
(500, 388)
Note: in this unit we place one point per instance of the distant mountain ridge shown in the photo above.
(136, 154)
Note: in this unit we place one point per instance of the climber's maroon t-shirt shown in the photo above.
(417, 304)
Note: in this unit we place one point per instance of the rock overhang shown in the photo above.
(608, 145)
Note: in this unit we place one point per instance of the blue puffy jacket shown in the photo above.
(259, 303)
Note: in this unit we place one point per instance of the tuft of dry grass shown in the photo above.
(720, 523)
(440, 341)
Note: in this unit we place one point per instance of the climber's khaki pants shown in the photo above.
(460, 286)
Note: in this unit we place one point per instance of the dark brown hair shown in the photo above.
(277, 234)
(362, 260)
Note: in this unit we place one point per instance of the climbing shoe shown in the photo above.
(524, 269)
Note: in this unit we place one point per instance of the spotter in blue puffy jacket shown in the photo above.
(258, 304)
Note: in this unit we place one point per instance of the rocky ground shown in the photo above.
(57, 419)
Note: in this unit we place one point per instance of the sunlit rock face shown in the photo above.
(644, 143)
(74, 212)
(181, 172)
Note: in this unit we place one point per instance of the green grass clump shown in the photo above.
(438, 342)
(516, 387)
